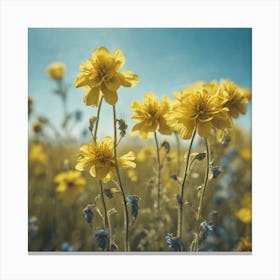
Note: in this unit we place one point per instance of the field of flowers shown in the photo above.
(179, 179)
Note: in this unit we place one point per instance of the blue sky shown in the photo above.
(166, 60)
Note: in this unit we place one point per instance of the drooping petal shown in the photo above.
(204, 128)
(113, 84)
(110, 97)
(128, 78)
(92, 97)
(101, 172)
(163, 127)
(81, 81)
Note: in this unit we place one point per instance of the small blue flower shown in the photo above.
(215, 171)
(206, 228)
(174, 243)
(102, 237)
(84, 132)
(32, 226)
(78, 115)
(88, 214)
(66, 247)
(133, 200)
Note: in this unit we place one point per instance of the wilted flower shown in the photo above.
(133, 200)
(56, 70)
(66, 247)
(88, 214)
(70, 181)
(151, 115)
(98, 158)
(102, 238)
(174, 243)
(36, 154)
(37, 126)
(122, 127)
(235, 98)
(100, 75)
(199, 107)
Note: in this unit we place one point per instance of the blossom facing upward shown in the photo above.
(200, 108)
(100, 75)
(56, 70)
(236, 98)
(70, 181)
(98, 159)
(151, 115)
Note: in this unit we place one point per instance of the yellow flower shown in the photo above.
(236, 98)
(199, 107)
(132, 175)
(145, 153)
(100, 75)
(70, 181)
(98, 159)
(151, 115)
(244, 244)
(37, 154)
(56, 70)
(244, 214)
(246, 153)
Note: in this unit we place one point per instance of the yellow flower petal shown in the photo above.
(119, 57)
(126, 160)
(204, 128)
(92, 97)
(128, 78)
(110, 97)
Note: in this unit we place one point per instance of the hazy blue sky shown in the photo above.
(166, 60)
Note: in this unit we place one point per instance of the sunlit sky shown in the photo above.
(166, 60)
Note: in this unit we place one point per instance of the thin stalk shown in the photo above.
(97, 120)
(158, 181)
(181, 198)
(199, 209)
(106, 218)
(178, 153)
(126, 221)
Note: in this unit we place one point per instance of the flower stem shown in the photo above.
(158, 182)
(195, 243)
(178, 153)
(126, 221)
(97, 120)
(106, 218)
(181, 198)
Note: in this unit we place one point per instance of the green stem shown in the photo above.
(158, 182)
(126, 221)
(106, 218)
(178, 153)
(204, 186)
(181, 198)
(97, 120)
